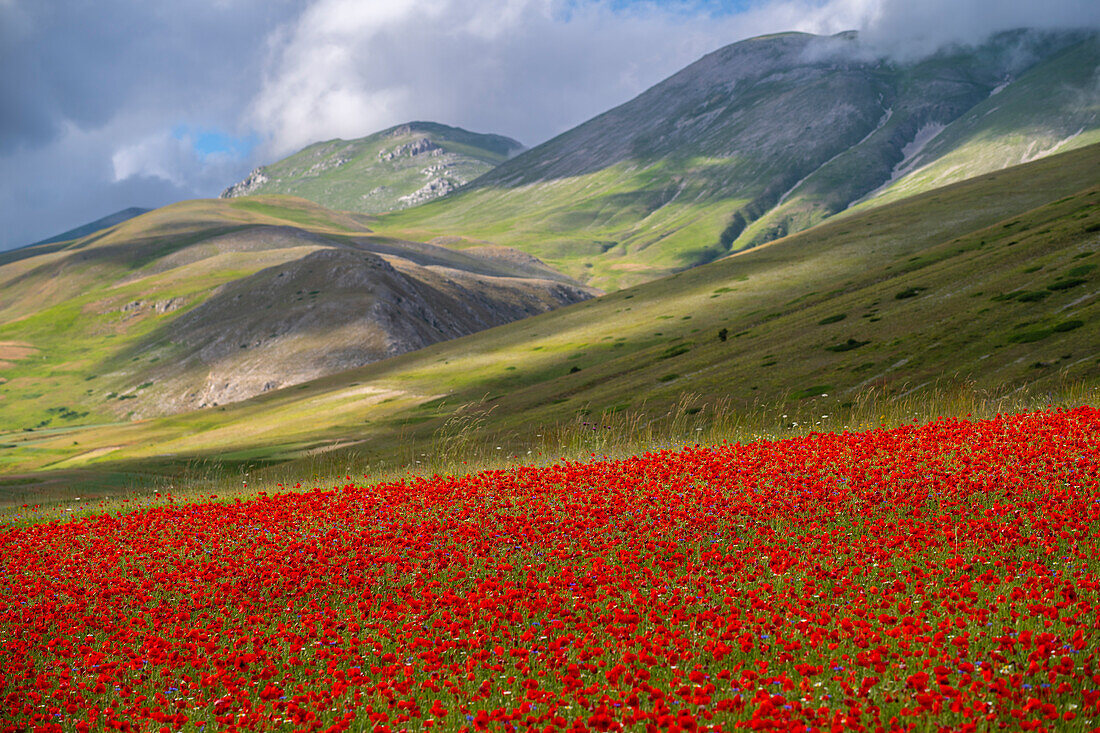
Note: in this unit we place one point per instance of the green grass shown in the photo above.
(295, 215)
(1045, 110)
(952, 340)
(94, 314)
(612, 228)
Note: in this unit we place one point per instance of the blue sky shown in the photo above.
(206, 142)
(122, 103)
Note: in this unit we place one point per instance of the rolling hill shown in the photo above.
(396, 168)
(991, 283)
(213, 301)
(767, 137)
(94, 226)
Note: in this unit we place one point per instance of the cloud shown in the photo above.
(67, 183)
(82, 82)
(910, 29)
(70, 61)
(95, 94)
(534, 68)
(178, 157)
(529, 68)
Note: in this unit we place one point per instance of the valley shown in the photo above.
(783, 233)
(768, 398)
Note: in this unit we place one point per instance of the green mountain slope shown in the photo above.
(207, 302)
(393, 169)
(991, 282)
(762, 138)
(1051, 108)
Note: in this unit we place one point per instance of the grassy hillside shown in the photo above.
(990, 283)
(208, 302)
(1050, 107)
(1046, 110)
(766, 137)
(399, 167)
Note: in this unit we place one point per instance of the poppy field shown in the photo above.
(929, 577)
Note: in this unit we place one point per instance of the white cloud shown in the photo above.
(157, 156)
(528, 68)
(911, 29)
(172, 157)
(534, 68)
(70, 182)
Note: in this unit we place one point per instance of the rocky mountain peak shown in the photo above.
(396, 168)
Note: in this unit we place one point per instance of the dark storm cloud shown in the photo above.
(81, 81)
(82, 62)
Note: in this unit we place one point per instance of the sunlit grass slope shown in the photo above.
(1050, 108)
(990, 283)
(1013, 126)
(623, 225)
(216, 300)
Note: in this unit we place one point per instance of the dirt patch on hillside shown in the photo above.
(13, 351)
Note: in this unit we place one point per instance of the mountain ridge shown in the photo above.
(91, 227)
(758, 139)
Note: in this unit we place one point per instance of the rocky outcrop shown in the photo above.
(327, 164)
(377, 173)
(433, 189)
(250, 185)
(420, 146)
(158, 307)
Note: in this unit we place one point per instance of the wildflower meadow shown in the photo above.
(941, 576)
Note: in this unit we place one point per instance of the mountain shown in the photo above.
(94, 226)
(992, 283)
(207, 302)
(770, 136)
(393, 169)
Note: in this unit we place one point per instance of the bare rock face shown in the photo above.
(255, 179)
(160, 307)
(420, 146)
